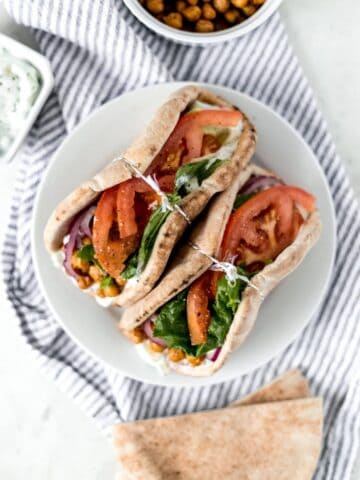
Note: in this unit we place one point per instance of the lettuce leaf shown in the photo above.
(190, 176)
(171, 324)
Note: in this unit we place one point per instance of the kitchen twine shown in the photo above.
(228, 268)
(98, 51)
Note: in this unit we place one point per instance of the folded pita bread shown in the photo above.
(190, 264)
(142, 153)
(269, 441)
(290, 385)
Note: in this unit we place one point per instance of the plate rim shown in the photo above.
(202, 381)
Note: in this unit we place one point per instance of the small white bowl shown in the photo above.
(194, 38)
(23, 52)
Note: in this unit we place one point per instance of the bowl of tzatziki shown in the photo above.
(26, 81)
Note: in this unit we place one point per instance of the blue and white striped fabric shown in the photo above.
(98, 51)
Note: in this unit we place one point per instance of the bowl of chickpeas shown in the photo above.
(201, 22)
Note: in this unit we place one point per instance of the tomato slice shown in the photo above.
(198, 313)
(110, 250)
(264, 225)
(125, 205)
(256, 232)
(189, 129)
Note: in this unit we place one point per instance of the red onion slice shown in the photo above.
(148, 330)
(86, 218)
(79, 228)
(257, 183)
(215, 354)
(70, 247)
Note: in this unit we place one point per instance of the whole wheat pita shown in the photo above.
(190, 264)
(272, 441)
(141, 153)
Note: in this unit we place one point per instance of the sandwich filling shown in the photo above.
(192, 327)
(110, 243)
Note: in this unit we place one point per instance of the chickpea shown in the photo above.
(239, 3)
(192, 13)
(258, 2)
(221, 5)
(155, 6)
(180, 6)
(194, 361)
(175, 354)
(95, 273)
(174, 20)
(86, 241)
(120, 281)
(155, 347)
(136, 335)
(208, 12)
(84, 281)
(193, 2)
(79, 264)
(204, 26)
(111, 290)
(100, 293)
(232, 15)
(249, 10)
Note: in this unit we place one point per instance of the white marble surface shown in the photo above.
(43, 436)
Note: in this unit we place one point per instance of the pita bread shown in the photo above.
(190, 264)
(290, 385)
(141, 153)
(269, 441)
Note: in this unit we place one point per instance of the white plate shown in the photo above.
(99, 139)
(42, 64)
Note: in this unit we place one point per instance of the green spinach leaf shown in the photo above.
(240, 199)
(131, 267)
(171, 324)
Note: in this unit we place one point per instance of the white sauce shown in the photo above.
(225, 152)
(157, 360)
(20, 84)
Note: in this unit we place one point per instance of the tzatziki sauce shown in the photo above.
(20, 85)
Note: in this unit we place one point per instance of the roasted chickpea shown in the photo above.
(175, 354)
(232, 15)
(204, 26)
(208, 12)
(100, 293)
(155, 6)
(154, 347)
(221, 5)
(136, 335)
(111, 290)
(180, 6)
(120, 281)
(249, 10)
(84, 281)
(174, 20)
(95, 273)
(192, 13)
(79, 264)
(86, 241)
(239, 3)
(193, 2)
(194, 361)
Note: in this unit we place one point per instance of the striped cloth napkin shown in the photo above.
(98, 51)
